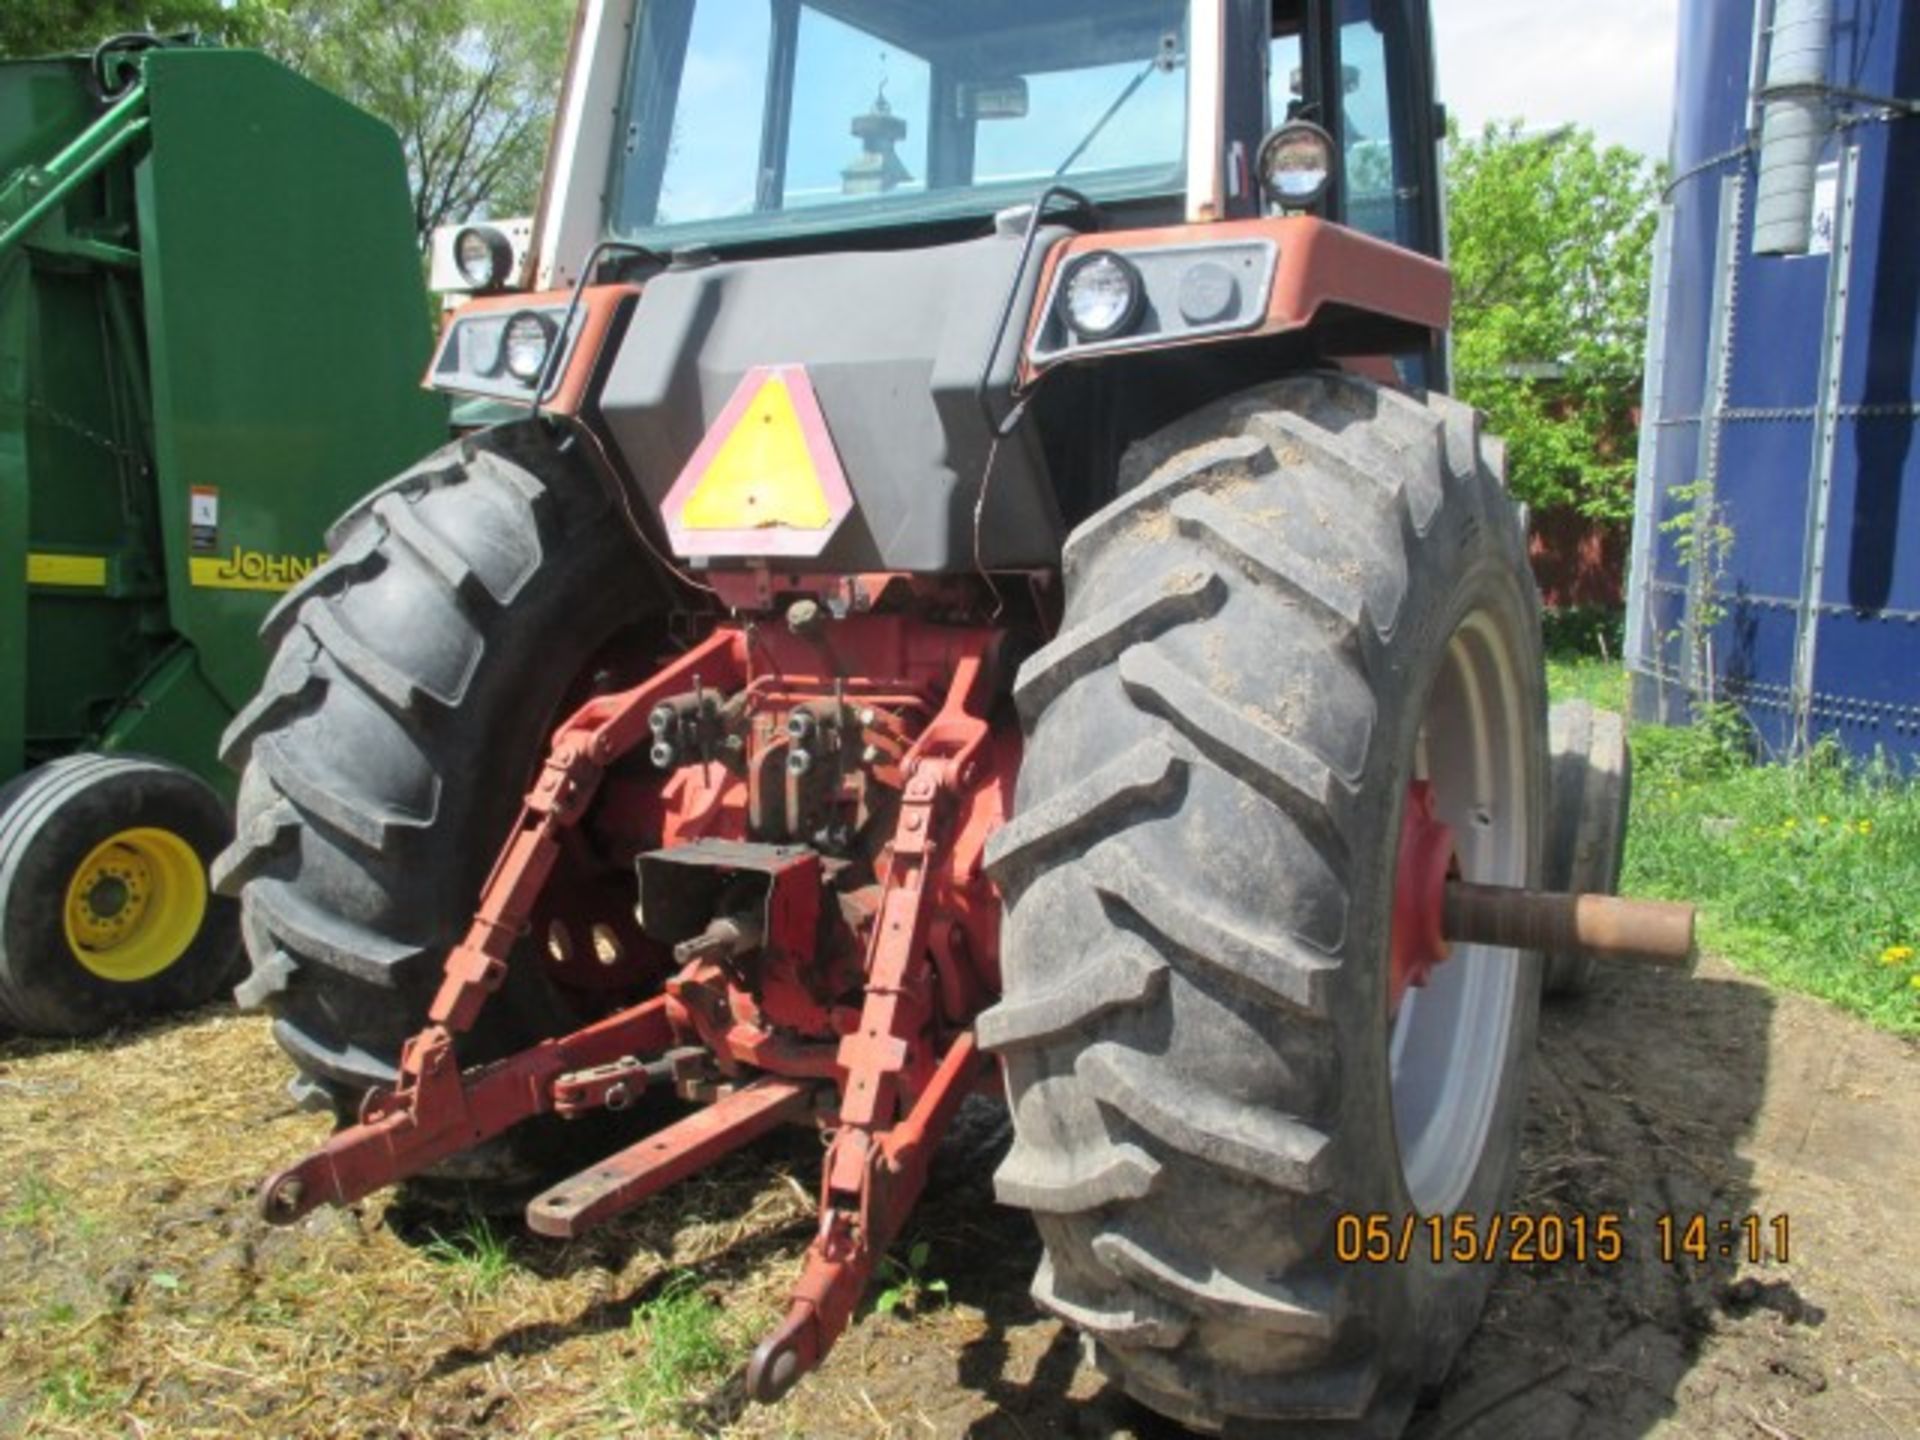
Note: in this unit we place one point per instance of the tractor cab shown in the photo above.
(803, 123)
(936, 208)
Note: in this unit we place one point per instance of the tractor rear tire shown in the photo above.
(105, 915)
(1305, 598)
(1592, 788)
(415, 680)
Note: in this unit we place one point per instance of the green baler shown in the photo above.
(212, 324)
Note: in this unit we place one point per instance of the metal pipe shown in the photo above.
(90, 150)
(1794, 128)
(1604, 926)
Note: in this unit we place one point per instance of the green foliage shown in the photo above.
(909, 1287)
(477, 1253)
(1552, 241)
(1584, 630)
(60, 27)
(1716, 745)
(1602, 683)
(35, 1204)
(1703, 541)
(1806, 874)
(685, 1349)
(469, 87)
(75, 1392)
(1583, 646)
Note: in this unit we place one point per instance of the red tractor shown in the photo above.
(990, 595)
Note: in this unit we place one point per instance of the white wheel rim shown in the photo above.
(1448, 1045)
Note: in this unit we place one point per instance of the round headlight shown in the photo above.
(1296, 165)
(528, 338)
(483, 256)
(1102, 296)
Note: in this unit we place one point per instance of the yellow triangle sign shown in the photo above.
(763, 474)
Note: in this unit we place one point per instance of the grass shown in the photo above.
(686, 1349)
(1602, 683)
(1806, 874)
(36, 1203)
(478, 1255)
(139, 1294)
(75, 1392)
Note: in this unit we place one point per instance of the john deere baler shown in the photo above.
(212, 321)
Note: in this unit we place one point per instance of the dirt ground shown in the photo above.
(139, 1296)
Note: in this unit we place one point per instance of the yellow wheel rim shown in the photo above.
(134, 905)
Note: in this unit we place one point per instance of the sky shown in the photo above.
(1608, 67)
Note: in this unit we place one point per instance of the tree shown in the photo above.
(469, 87)
(1552, 244)
(55, 27)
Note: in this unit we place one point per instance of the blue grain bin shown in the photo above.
(1781, 387)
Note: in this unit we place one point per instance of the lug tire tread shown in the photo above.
(458, 601)
(1128, 935)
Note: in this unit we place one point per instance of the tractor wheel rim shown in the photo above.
(134, 905)
(1449, 1037)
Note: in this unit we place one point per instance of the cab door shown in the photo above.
(1363, 70)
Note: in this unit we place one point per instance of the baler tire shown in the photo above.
(57, 818)
(415, 679)
(1591, 784)
(1199, 882)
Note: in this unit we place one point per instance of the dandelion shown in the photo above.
(1897, 955)
(1825, 821)
(1866, 827)
(1913, 982)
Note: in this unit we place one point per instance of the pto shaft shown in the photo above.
(1604, 926)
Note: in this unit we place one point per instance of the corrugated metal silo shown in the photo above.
(1776, 557)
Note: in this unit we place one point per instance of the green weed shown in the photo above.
(1583, 648)
(37, 1203)
(1602, 683)
(477, 1253)
(74, 1392)
(1584, 631)
(908, 1286)
(685, 1349)
(1806, 873)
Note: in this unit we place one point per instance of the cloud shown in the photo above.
(1607, 67)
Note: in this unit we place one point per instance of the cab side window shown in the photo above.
(1382, 189)
(1287, 65)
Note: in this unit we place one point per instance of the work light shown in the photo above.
(1102, 296)
(1296, 165)
(483, 256)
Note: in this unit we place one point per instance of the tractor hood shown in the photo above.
(891, 346)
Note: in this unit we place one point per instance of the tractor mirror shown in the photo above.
(994, 99)
(1349, 75)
